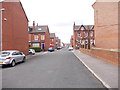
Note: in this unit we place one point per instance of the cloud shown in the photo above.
(60, 15)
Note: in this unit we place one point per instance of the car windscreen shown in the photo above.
(50, 48)
(4, 54)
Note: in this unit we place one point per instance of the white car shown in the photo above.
(70, 48)
(32, 51)
(11, 57)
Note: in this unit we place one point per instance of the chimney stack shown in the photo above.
(74, 25)
(33, 25)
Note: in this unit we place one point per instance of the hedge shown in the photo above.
(37, 49)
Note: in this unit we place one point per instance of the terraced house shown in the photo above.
(83, 36)
(71, 41)
(53, 40)
(39, 36)
(58, 42)
(14, 26)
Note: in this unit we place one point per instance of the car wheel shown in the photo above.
(13, 63)
(24, 59)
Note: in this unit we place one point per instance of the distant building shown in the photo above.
(83, 36)
(71, 41)
(39, 36)
(53, 40)
(14, 26)
(58, 42)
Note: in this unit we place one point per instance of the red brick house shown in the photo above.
(39, 36)
(71, 41)
(58, 42)
(53, 40)
(83, 36)
(14, 29)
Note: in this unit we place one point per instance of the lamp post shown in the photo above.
(2, 9)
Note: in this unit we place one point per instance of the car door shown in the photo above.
(16, 56)
(20, 56)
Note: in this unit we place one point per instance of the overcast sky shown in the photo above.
(60, 15)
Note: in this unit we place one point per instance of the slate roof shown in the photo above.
(87, 27)
(52, 35)
(39, 29)
(77, 27)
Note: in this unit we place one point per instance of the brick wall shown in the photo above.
(74, 39)
(15, 29)
(47, 40)
(108, 56)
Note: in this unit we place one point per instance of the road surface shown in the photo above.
(59, 69)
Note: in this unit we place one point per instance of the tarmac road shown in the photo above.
(59, 69)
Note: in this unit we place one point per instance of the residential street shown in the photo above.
(59, 69)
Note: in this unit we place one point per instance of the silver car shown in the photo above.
(11, 57)
(32, 51)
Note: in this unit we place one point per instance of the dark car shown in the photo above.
(58, 48)
(51, 49)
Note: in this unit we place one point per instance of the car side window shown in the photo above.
(14, 53)
(20, 53)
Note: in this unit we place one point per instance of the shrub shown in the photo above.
(37, 49)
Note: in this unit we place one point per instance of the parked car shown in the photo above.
(58, 48)
(32, 51)
(11, 57)
(70, 48)
(51, 49)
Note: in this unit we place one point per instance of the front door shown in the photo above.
(43, 46)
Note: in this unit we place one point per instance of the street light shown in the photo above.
(2, 9)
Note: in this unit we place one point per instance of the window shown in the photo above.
(86, 34)
(79, 34)
(52, 40)
(91, 33)
(39, 29)
(36, 45)
(15, 53)
(20, 53)
(91, 41)
(35, 37)
(86, 41)
(42, 37)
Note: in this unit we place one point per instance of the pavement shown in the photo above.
(105, 72)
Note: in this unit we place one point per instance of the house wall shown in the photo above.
(74, 39)
(0, 26)
(47, 40)
(53, 42)
(107, 33)
(106, 24)
(15, 28)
